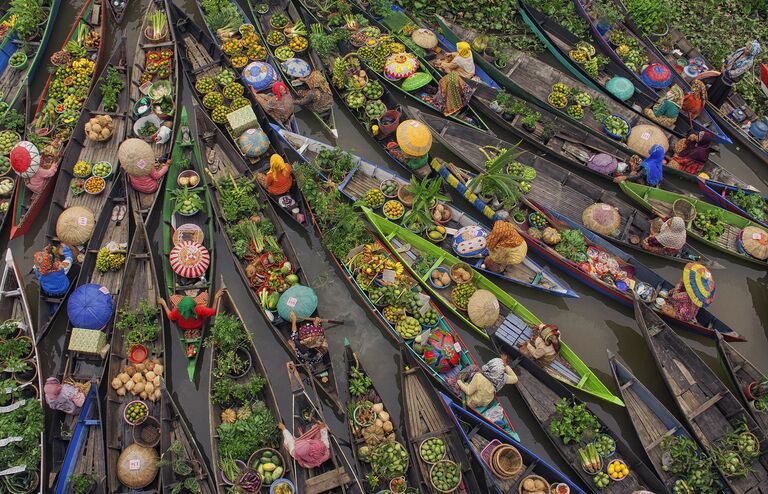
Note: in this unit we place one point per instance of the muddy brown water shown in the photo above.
(591, 324)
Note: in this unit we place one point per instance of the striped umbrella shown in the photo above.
(699, 284)
(189, 259)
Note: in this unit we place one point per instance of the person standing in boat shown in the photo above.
(692, 154)
(695, 290)
(279, 179)
(735, 66)
(650, 170)
(190, 316)
(669, 240)
(459, 61)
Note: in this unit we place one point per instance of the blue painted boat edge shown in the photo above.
(76, 443)
(712, 190)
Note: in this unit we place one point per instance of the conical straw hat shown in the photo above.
(75, 225)
(136, 157)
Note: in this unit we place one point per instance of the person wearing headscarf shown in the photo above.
(692, 154)
(317, 97)
(650, 171)
(480, 391)
(311, 449)
(309, 340)
(670, 238)
(735, 66)
(543, 346)
(505, 247)
(279, 178)
(460, 61)
(190, 316)
(696, 99)
(452, 95)
(148, 184)
(686, 307)
(666, 111)
(278, 105)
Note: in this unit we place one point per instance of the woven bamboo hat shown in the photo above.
(75, 225)
(137, 466)
(644, 136)
(136, 157)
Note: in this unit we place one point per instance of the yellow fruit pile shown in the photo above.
(617, 470)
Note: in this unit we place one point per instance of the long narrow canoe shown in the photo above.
(14, 81)
(481, 440)
(263, 403)
(140, 273)
(176, 433)
(365, 176)
(186, 151)
(722, 195)
(660, 202)
(708, 406)
(149, 53)
(425, 419)
(542, 394)
(118, 8)
(704, 120)
(14, 306)
(515, 320)
(288, 9)
(27, 204)
(223, 168)
(335, 474)
(64, 193)
(652, 421)
(554, 187)
(743, 373)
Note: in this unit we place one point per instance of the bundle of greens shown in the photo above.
(572, 245)
(698, 471)
(752, 203)
(238, 198)
(244, 436)
(25, 422)
(571, 422)
(222, 17)
(140, 325)
(227, 333)
(111, 86)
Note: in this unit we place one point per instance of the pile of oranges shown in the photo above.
(617, 470)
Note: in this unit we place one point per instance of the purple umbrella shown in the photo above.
(90, 306)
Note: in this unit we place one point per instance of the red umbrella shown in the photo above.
(189, 259)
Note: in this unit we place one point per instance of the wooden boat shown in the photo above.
(661, 202)
(69, 189)
(178, 227)
(560, 42)
(541, 394)
(708, 406)
(335, 475)
(27, 204)
(138, 298)
(203, 58)
(160, 53)
(228, 168)
(516, 321)
(288, 9)
(13, 82)
(652, 421)
(14, 306)
(743, 373)
(481, 440)
(365, 176)
(263, 401)
(118, 8)
(722, 195)
(425, 419)
(554, 187)
(704, 120)
(177, 435)
(85, 451)
(355, 369)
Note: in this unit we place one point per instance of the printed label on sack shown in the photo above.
(82, 221)
(291, 302)
(388, 276)
(134, 465)
(104, 290)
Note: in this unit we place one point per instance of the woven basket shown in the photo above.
(506, 461)
(151, 436)
(684, 209)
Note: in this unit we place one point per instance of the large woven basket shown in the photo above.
(684, 209)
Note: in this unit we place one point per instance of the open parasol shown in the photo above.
(424, 38)
(602, 218)
(699, 284)
(643, 137)
(414, 138)
(296, 67)
(401, 65)
(298, 298)
(259, 75)
(75, 225)
(189, 259)
(136, 157)
(657, 76)
(90, 306)
(25, 159)
(754, 240)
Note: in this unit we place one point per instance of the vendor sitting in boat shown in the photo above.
(543, 346)
(505, 247)
(649, 171)
(667, 240)
(317, 97)
(453, 94)
(459, 61)
(414, 140)
(692, 154)
(481, 390)
(148, 184)
(278, 105)
(309, 340)
(311, 449)
(279, 179)
(190, 316)
(694, 291)
(666, 111)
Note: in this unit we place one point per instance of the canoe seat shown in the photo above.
(327, 481)
(658, 440)
(705, 406)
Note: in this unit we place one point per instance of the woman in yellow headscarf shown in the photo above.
(459, 61)
(279, 179)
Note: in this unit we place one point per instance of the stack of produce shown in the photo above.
(142, 380)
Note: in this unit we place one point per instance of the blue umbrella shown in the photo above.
(259, 75)
(298, 298)
(296, 67)
(90, 306)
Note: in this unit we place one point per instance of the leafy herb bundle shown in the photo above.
(572, 245)
(753, 204)
(242, 437)
(572, 422)
(238, 198)
(140, 325)
(25, 422)
(111, 86)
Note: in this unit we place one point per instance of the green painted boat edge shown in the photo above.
(593, 385)
(170, 182)
(638, 193)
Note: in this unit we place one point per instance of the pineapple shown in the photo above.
(228, 416)
(243, 413)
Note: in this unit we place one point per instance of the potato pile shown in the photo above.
(534, 485)
(99, 128)
(440, 278)
(461, 275)
(142, 380)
